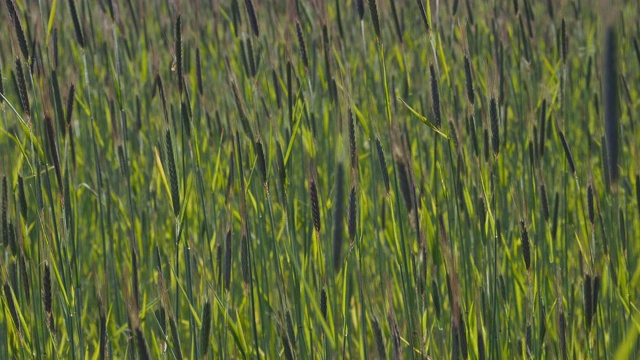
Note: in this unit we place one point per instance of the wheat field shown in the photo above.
(306, 179)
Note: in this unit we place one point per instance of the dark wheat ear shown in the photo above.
(13, 242)
(360, 8)
(590, 204)
(323, 303)
(122, 160)
(288, 352)
(562, 329)
(543, 121)
(22, 88)
(244, 259)
(567, 152)
(469, 78)
(301, 44)
(5, 206)
(76, 23)
(588, 297)
(186, 119)
(70, 101)
(423, 14)
(102, 352)
(13, 14)
(495, 127)
(173, 174)
(235, 17)
(373, 7)
(545, 202)
(199, 71)
(352, 141)
(253, 20)
(143, 349)
(485, 138)
(249, 59)
(339, 19)
(277, 88)
(383, 165)
(290, 328)
(261, 160)
(1, 88)
(282, 171)
(480, 341)
(474, 134)
(47, 298)
(435, 96)
(638, 191)
(22, 198)
(227, 260)
(622, 228)
(377, 332)
(163, 98)
(315, 205)
(526, 251)
(556, 206)
(352, 221)
(206, 327)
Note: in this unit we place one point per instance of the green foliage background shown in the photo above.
(167, 196)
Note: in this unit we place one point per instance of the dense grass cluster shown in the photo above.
(320, 179)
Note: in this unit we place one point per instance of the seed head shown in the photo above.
(526, 251)
(495, 130)
(435, 96)
(13, 14)
(301, 44)
(467, 72)
(315, 205)
(352, 213)
(76, 23)
(590, 204)
(253, 20)
(567, 152)
(206, 327)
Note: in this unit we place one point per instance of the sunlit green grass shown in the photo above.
(164, 205)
